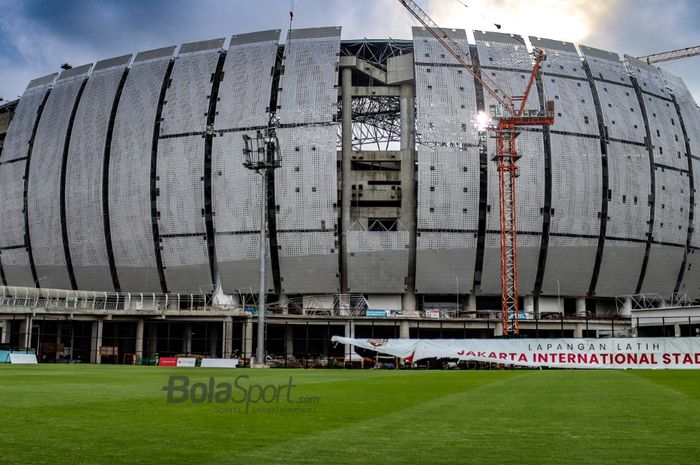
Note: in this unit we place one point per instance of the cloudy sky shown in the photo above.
(37, 36)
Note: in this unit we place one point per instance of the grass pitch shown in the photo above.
(116, 414)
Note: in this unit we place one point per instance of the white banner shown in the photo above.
(219, 363)
(621, 353)
(186, 362)
(23, 359)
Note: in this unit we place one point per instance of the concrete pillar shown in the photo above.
(529, 304)
(227, 343)
(498, 329)
(213, 335)
(404, 330)
(4, 332)
(139, 340)
(346, 168)
(408, 188)
(187, 338)
(152, 340)
(25, 332)
(283, 303)
(248, 338)
(349, 333)
(58, 333)
(581, 306)
(289, 339)
(96, 342)
(578, 330)
(677, 330)
(627, 307)
(471, 303)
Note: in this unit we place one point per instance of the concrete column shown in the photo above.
(529, 304)
(408, 188)
(346, 168)
(404, 330)
(289, 339)
(227, 343)
(498, 329)
(25, 332)
(139, 340)
(248, 337)
(4, 332)
(152, 340)
(58, 333)
(283, 303)
(627, 307)
(213, 335)
(471, 303)
(578, 330)
(187, 338)
(580, 306)
(96, 342)
(677, 330)
(349, 333)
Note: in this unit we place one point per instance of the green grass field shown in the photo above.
(117, 414)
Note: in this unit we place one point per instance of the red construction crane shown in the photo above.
(509, 115)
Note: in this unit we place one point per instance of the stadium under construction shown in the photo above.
(130, 225)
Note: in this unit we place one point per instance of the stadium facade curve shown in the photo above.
(127, 175)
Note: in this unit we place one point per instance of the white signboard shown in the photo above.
(23, 359)
(620, 353)
(219, 363)
(186, 362)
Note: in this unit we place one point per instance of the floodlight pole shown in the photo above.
(262, 156)
(260, 352)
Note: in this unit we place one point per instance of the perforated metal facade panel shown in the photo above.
(576, 185)
(562, 58)
(447, 167)
(186, 264)
(84, 183)
(19, 133)
(244, 98)
(130, 173)
(239, 266)
(307, 91)
(573, 105)
(180, 184)
(16, 147)
(45, 180)
(12, 203)
(570, 261)
(377, 261)
(666, 133)
(187, 99)
(620, 268)
(621, 114)
(308, 262)
(427, 49)
(236, 194)
(662, 270)
(15, 263)
(671, 212)
(445, 262)
(628, 193)
(691, 276)
(244, 92)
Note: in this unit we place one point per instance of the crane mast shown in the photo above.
(509, 118)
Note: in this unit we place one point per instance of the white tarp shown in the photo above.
(662, 352)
